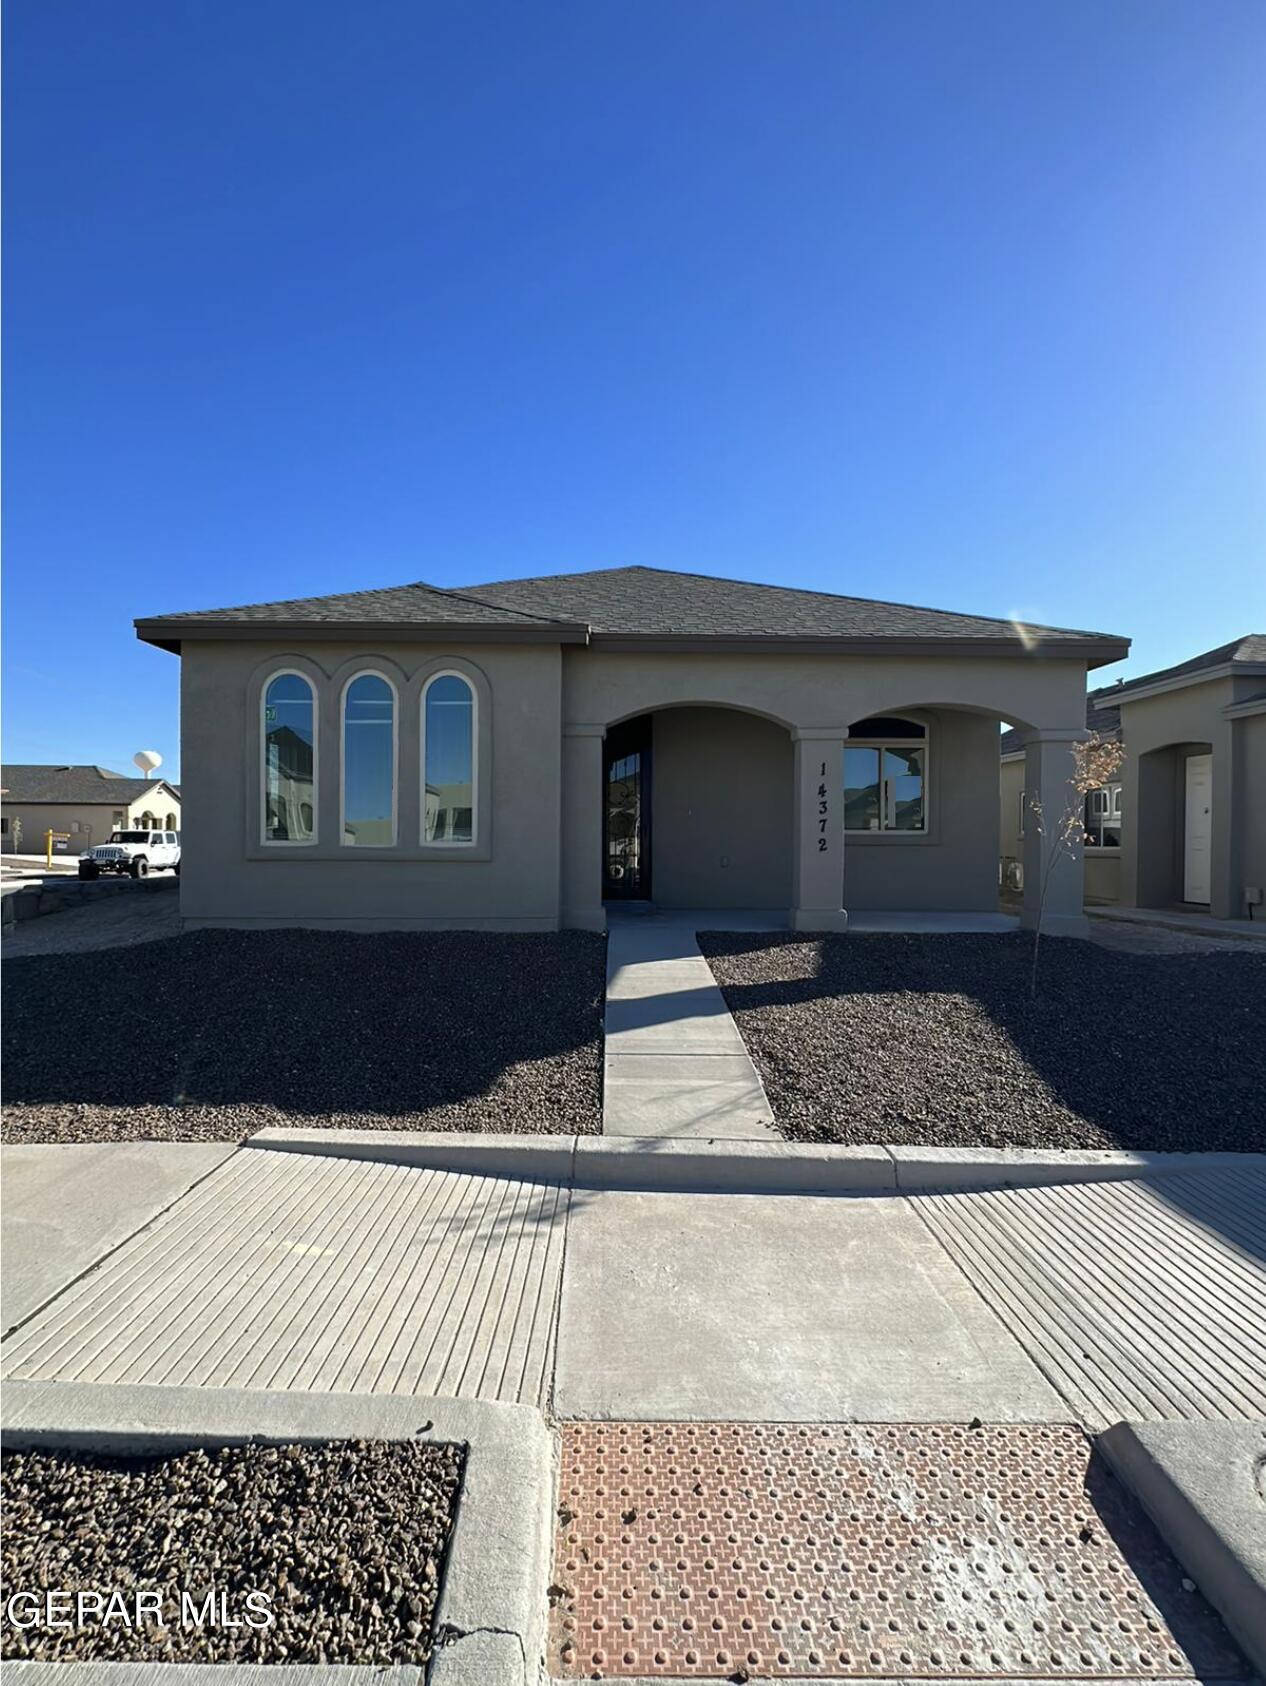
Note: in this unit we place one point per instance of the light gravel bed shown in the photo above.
(934, 1041)
(341, 1544)
(213, 1035)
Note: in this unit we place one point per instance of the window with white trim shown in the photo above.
(1103, 817)
(448, 760)
(369, 762)
(288, 754)
(885, 776)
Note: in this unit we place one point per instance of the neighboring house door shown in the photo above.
(1198, 833)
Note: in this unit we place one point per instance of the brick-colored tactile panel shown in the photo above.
(893, 1550)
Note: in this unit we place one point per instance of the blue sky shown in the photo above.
(952, 303)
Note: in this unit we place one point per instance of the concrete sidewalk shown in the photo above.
(674, 1062)
(321, 1270)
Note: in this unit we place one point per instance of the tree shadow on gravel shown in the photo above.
(933, 1039)
(232, 1030)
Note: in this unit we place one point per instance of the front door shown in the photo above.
(626, 828)
(1198, 832)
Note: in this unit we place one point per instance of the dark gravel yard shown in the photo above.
(933, 1040)
(216, 1034)
(346, 1540)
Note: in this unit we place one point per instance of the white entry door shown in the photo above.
(1198, 836)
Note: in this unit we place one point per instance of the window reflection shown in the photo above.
(369, 762)
(448, 760)
(903, 789)
(885, 783)
(861, 789)
(289, 760)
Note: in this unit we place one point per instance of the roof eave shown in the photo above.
(171, 633)
(1136, 689)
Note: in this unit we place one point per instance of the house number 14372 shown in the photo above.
(824, 810)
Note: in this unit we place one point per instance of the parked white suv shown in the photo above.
(137, 853)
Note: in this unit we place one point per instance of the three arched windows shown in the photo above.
(369, 761)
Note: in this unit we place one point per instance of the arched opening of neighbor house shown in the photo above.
(698, 809)
(1173, 828)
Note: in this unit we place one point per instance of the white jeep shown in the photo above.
(137, 853)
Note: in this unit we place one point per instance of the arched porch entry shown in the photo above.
(697, 809)
(718, 804)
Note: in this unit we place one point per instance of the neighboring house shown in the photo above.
(518, 755)
(1101, 818)
(1185, 826)
(87, 803)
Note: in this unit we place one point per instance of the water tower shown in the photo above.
(147, 760)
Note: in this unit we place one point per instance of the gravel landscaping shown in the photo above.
(934, 1041)
(345, 1541)
(216, 1034)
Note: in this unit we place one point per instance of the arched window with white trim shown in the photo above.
(369, 762)
(449, 771)
(288, 751)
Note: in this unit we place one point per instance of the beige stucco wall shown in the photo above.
(95, 821)
(721, 814)
(727, 790)
(509, 880)
(813, 690)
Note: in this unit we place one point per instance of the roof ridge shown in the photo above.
(462, 595)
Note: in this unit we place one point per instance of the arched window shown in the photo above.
(288, 726)
(885, 775)
(369, 762)
(448, 760)
(172, 822)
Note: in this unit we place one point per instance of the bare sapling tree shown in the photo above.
(1096, 762)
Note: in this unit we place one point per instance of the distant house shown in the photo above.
(525, 754)
(87, 803)
(1184, 825)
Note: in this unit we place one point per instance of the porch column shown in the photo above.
(581, 852)
(818, 829)
(1048, 772)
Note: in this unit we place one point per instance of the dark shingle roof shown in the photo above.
(1105, 720)
(657, 602)
(621, 603)
(80, 786)
(1239, 652)
(419, 604)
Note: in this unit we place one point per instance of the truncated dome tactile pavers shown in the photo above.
(745, 1550)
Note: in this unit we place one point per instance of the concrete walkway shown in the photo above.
(66, 1206)
(325, 1272)
(1198, 924)
(675, 1064)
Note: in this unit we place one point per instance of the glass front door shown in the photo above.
(626, 832)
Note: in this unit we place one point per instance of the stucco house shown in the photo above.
(521, 754)
(87, 803)
(1184, 825)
